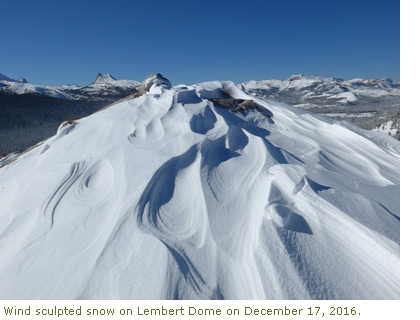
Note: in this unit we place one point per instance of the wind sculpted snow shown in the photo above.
(168, 196)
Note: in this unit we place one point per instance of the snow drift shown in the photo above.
(171, 196)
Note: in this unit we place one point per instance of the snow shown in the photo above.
(330, 87)
(106, 85)
(14, 87)
(293, 82)
(69, 87)
(103, 85)
(108, 80)
(350, 115)
(345, 97)
(158, 80)
(386, 128)
(167, 196)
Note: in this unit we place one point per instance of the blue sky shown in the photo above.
(63, 42)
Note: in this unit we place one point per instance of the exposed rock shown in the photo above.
(67, 122)
(146, 84)
(154, 78)
(240, 105)
(104, 78)
(98, 76)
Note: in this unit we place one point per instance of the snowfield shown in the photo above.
(172, 196)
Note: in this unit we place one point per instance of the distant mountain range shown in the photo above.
(31, 113)
(369, 104)
(102, 88)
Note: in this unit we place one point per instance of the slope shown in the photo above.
(177, 195)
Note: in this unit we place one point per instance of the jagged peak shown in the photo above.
(104, 78)
(98, 76)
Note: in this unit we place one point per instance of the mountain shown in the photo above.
(31, 113)
(18, 87)
(201, 192)
(104, 87)
(368, 104)
(323, 91)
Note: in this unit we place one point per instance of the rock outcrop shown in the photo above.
(154, 78)
(240, 105)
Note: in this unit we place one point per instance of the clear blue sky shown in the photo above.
(61, 42)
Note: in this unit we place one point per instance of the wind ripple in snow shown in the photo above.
(176, 216)
(94, 185)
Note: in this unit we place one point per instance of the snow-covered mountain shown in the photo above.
(332, 90)
(106, 86)
(201, 191)
(21, 86)
(31, 113)
(369, 104)
(103, 88)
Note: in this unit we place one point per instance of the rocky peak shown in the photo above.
(98, 76)
(104, 78)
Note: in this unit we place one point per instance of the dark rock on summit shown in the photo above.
(240, 105)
